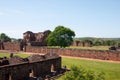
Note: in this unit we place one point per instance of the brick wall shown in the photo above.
(96, 54)
(14, 46)
(22, 71)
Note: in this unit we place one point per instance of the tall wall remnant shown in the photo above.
(1, 45)
(36, 39)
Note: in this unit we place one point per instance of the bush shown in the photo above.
(79, 73)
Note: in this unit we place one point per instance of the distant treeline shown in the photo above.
(100, 41)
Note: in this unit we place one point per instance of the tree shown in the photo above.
(4, 37)
(61, 36)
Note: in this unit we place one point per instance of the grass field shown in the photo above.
(89, 48)
(16, 54)
(111, 70)
(92, 48)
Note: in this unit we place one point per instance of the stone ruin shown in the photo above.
(81, 44)
(4, 61)
(115, 48)
(33, 58)
(32, 68)
(1, 45)
(36, 39)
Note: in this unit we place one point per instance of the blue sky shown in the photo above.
(88, 18)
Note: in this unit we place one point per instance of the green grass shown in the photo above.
(92, 48)
(16, 54)
(111, 70)
(89, 48)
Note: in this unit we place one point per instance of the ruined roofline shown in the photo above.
(11, 65)
(37, 32)
(16, 60)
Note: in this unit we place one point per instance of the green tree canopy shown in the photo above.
(4, 37)
(61, 36)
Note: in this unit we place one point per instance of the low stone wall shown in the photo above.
(24, 70)
(96, 54)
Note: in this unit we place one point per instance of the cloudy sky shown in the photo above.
(88, 18)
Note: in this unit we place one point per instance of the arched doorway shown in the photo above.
(31, 73)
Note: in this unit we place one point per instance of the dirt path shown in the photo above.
(92, 59)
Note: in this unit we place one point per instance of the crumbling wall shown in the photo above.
(81, 44)
(36, 39)
(22, 71)
(1, 45)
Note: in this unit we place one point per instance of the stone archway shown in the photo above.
(52, 68)
(8, 76)
(31, 73)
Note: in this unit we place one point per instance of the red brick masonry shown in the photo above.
(95, 54)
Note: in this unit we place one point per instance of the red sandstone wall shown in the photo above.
(14, 46)
(96, 54)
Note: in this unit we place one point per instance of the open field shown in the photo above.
(89, 48)
(111, 70)
(92, 48)
(16, 54)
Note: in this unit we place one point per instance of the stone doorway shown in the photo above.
(31, 73)
(8, 76)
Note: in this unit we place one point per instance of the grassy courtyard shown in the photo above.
(111, 70)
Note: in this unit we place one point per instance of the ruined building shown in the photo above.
(16, 68)
(82, 44)
(36, 39)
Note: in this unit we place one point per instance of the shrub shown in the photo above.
(79, 73)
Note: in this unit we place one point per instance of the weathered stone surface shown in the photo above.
(12, 46)
(28, 36)
(4, 62)
(115, 48)
(96, 54)
(36, 57)
(36, 38)
(16, 60)
(51, 55)
(23, 71)
(82, 44)
(1, 45)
